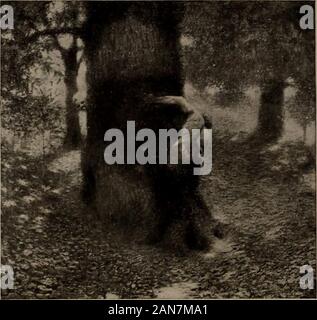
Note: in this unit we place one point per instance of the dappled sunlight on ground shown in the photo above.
(67, 162)
(57, 252)
(265, 200)
(180, 290)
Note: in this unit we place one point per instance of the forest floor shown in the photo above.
(58, 252)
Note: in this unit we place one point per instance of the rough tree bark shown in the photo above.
(132, 53)
(73, 135)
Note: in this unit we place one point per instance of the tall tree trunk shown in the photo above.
(73, 134)
(270, 118)
(132, 52)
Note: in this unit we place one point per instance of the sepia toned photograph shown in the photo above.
(158, 150)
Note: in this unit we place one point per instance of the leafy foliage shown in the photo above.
(26, 51)
(241, 44)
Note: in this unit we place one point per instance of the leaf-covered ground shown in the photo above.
(58, 251)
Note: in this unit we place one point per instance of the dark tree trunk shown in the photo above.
(132, 52)
(270, 119)
(305, 132)
(73, 134)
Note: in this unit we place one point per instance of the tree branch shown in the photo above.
(62, 50)
(54, 32)
(80, 60)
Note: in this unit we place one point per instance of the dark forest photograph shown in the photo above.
(76, 227)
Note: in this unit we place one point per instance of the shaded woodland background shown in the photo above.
(249, 68)
(232, 51)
